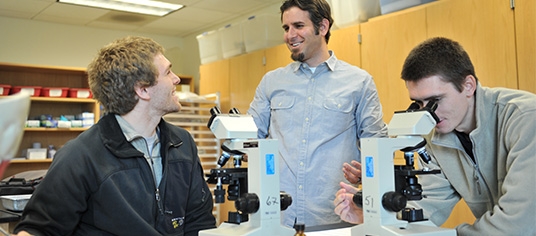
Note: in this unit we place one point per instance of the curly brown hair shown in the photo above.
(118, 68)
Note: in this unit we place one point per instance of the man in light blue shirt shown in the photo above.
(318, 107)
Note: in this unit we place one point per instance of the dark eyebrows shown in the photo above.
(435, 97)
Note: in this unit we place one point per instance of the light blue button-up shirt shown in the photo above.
(318, 119)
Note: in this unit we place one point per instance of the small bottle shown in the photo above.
(300, 229)
(51, 151)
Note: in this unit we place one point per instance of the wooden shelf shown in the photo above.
(18, 161)
(43, 129)
(56, 99)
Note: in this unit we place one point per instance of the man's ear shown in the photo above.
(469, 85)
(324, 27)
(142, 92)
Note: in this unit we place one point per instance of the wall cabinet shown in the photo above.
(245, 73)
(214, 78)
(525, 29)
(345, 44)
(486, 31)
(386, 41)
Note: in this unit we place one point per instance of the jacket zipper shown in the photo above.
(157, 191)
(476, 171)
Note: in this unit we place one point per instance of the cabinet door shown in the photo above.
(486, 30)
(245, 73)
(277, 56)
(526, 43)
(214, 77)
(386, 41)
(344, 42)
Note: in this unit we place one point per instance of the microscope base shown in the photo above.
(425, 228)
(248, 229)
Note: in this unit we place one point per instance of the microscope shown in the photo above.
(255, 189)
(386, 191)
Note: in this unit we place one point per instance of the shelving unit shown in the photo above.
(53, 76)
(194, 116)
(47, 76)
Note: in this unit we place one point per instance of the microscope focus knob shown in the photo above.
(394, 201)
(358, 199)
(248, 203)
(285, 199)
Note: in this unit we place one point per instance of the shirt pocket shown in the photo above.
(342, 104)
(283, 111)
(282, 102)
(338, 113)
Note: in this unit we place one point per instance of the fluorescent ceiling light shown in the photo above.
(147, 7)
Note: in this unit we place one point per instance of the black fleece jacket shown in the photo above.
(99, 184)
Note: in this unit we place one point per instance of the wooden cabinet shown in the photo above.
(186, 84)
(486, 31)
(277, 56)
(245, 73)
(213, 78)
(43, 76)
(345, 43)
(525, 29)
(386, 41)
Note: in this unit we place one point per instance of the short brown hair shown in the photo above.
(438, 56)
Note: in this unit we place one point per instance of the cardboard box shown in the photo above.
(232, 40)
(388, 6)
(209, 46)
(347, 13)
(36, 154)
(262, 31)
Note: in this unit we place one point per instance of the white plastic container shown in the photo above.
(15, 202)
(36, 153)
(388, 6)
(232, 40)
(209, 46)
(262, 31)
(351, 12)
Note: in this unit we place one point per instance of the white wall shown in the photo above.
(41, 43)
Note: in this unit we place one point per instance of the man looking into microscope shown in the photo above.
(484, 145)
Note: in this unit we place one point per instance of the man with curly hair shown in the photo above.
(132, 173)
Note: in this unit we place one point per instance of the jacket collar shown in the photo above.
(115, 141)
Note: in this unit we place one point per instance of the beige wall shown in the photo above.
(41, 43)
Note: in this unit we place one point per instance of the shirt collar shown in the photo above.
(129, 131)
(330, 62)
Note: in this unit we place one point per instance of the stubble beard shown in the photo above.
(297, 56)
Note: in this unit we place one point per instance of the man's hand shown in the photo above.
(344, 205)
(22, 233)
(352, 172)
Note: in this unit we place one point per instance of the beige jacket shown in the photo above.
(500, 188)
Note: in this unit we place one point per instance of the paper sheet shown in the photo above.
(332, 232)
